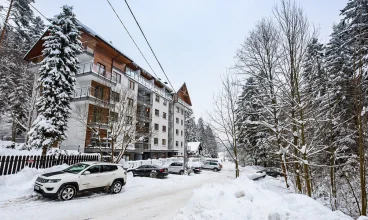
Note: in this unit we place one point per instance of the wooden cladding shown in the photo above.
(97, 115)
(91, 138)
(100, 91)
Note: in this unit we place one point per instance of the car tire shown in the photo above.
(181, 172)
(66, 192)
(215, 169)
(116, 187)
(153, 174)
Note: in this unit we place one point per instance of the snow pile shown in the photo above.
(20, 185)
(244, 199)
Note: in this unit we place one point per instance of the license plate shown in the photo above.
(36, 187)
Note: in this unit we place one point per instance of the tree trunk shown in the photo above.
(14, 130)
(44, 150)
(283, 166)
(112, 151)
(5, 23)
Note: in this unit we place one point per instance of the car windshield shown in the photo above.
(76, 168)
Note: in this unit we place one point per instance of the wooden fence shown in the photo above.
(14, 164)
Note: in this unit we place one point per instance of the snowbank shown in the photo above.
(244, 199)
(20, 185)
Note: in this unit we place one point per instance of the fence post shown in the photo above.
(2, 165)
(15, 164)
(10, 164)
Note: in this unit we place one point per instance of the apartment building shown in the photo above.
(105, 74)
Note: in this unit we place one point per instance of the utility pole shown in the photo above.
(5, 23)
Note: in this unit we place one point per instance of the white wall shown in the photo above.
(161, 122)
(180, 127)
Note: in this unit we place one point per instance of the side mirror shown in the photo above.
(86, 173)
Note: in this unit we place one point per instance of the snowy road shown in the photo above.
(142, 198)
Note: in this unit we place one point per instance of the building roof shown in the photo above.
(93, 33)
(193, 146)
(183, 94)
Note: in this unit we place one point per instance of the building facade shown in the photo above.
(106, 79)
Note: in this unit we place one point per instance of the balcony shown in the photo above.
(142, 146)
(91, 93)
(149, 84)
(143, 116)
(93, 69)
(144, 100)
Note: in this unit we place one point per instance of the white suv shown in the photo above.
(65, 184)
(212, 165)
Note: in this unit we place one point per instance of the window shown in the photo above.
(157, 112)
(177, 109)
(115, 96)
(165, 102)
(101, 69)
(164, 142)
(164, 128)
(181, 132)
(177, 132)
(94, 169)
(177, 143)
(118, 78)
(181, 144)
(109, 168)
(131, 85)
(130, 102)
(155, 141)
(114, 116)
(129, 120)
(177, 120)
(181, 122)
(156, 127)
(164, 115)
(157, 98)
(182, 111)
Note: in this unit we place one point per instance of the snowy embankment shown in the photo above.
(246, 199)
(20, 185)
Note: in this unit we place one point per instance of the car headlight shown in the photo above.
(53, 181)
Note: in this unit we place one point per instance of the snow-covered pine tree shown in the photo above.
(56, 81)
(251, 133)
(212, 147)
(201, 135)
(190, 127)
(355, 17)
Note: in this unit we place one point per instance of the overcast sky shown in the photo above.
(195, 40)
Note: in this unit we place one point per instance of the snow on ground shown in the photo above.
(254, 200)
(209, 195)
(20, 185)
(141, 198)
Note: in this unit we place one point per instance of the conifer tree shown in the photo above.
(56, 81)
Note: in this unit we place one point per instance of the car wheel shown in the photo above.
(116, 187)
(215, 169)
(153, 174)
(66, 192)
(181, 172)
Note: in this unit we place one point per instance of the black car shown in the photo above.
(274, 172)
(153, 171)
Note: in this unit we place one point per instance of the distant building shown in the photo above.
(104, 71)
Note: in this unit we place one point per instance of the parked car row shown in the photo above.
(87, 176)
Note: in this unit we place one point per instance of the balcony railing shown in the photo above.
(144, 116)
(87, 68)
(144, 100)
(142, 146)
(149, 84)
(91, 93)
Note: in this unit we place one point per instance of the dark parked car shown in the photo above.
(196, 167)
(271, 171)
(153, 171)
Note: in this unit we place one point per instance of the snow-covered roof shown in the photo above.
(193, 146)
